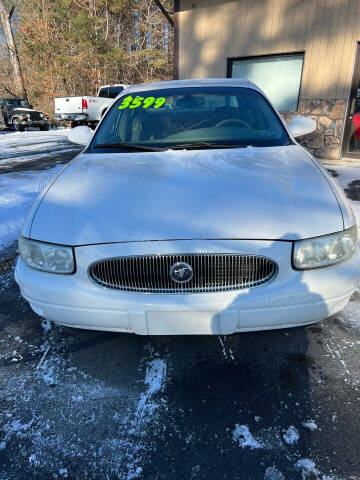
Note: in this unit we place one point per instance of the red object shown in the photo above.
(84, 103)
(356, 122)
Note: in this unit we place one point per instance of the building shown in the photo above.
(303, 53)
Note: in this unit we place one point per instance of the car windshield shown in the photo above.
(198, 117)
(17, 103)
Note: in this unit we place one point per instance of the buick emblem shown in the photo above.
(181, 272)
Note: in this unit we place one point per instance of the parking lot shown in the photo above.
(93, 405)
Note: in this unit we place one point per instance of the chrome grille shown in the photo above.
(211, 273)
(35, 116)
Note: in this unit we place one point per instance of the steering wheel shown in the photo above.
(230, 120)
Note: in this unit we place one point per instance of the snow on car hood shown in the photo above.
(261, 193)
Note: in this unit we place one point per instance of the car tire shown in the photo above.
(17, 126)
(45, 128)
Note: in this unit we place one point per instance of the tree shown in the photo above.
(5, 18)
(72, 47)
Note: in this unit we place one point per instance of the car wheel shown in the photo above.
(45, 128)
(17, 126)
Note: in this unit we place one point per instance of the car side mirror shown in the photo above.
(81, 135)
(300, 126)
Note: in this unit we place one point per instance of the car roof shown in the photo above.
(113, 85)
(203, 82)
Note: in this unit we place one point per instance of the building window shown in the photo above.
(279, 76)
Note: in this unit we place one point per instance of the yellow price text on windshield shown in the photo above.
(143, 102)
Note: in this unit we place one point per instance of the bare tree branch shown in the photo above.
(7, 89)
(164, 12)
(12, 10)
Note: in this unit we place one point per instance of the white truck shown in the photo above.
(85, 110)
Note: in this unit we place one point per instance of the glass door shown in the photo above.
(351, 138)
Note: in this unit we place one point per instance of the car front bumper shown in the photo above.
(292, 299)
(34, 123)
(71, 116)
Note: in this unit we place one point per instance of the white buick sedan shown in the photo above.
(191, 210)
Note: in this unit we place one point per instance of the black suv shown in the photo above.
(17, 113)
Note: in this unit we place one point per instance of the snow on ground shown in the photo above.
(242, 435)
(310, 424)
(291, 435)
(126, 444)
(34, 139)
(349, 179)
(18, 190)
(119, 446)
(17, 193)
(19, 147)
(273, 474)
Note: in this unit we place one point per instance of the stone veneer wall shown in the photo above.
(329, 115)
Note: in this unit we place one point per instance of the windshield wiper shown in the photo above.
(203, 145)
(129, 146)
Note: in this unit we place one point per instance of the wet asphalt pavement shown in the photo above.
(92, 405)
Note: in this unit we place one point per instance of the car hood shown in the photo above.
(261, 193)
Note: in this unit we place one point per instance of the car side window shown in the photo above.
(104, 92)
(112, 93)
(118, 90)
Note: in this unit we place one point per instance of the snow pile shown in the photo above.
(309, 471)
(154, 380)
(242, 435)
(291, 435)
(273, 474)
(310, 424)
(148, 403)
(307, 467)
(155, 376)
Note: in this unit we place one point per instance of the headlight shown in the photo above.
(41, 115)
(47, 257)
(326, 250)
